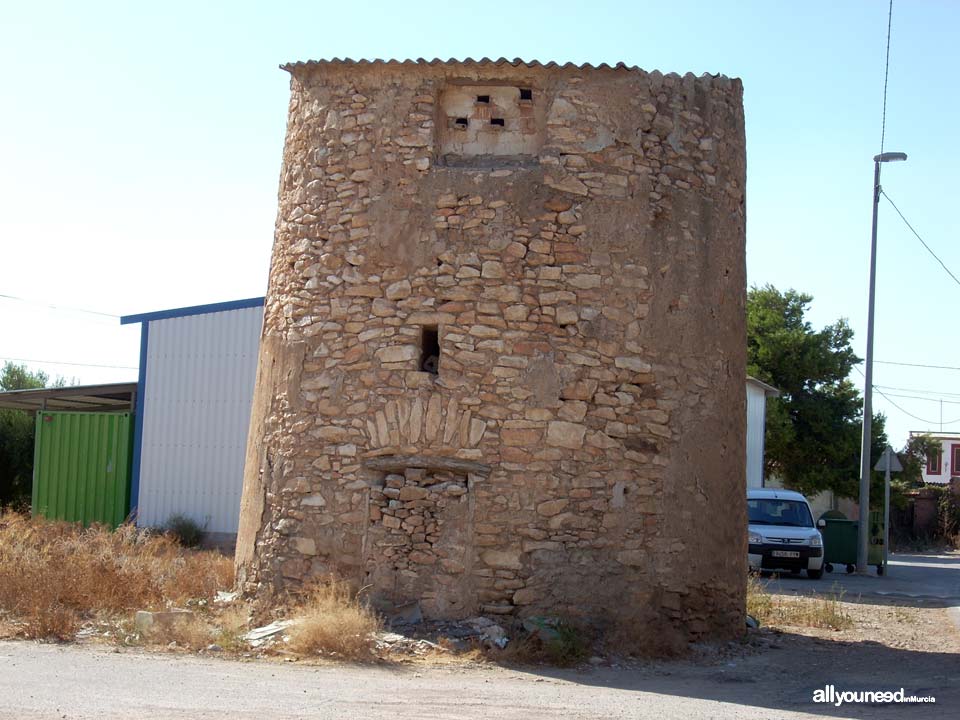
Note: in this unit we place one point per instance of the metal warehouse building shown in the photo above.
(197, 370)
(183, 449)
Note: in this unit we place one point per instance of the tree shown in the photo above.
(913, 457)
(16, 437)
(813, 429)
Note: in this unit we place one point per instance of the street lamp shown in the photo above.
(865, 465)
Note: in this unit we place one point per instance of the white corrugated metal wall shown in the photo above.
(200, 375)
(756, 421)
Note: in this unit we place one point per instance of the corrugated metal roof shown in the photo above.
(769, 390)
(115, 397)
(516, 62)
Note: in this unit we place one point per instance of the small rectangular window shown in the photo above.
(430, 349)
(484, 99)
(935, 462)
(526, 94)
(460, 123)
(499, 122)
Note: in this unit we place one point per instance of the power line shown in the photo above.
(57, 307)
(62, 362)
(919, 365)
(917, 390)
(907, 222)
(915, 417)
(886, 75)
(905, 412)
(917, 397)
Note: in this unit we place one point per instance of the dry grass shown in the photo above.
(192, 633)
(815, 612)
(230, 626)
(759, 601)
(333, 621)
(54, 576)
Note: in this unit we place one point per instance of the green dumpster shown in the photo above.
(839, 541)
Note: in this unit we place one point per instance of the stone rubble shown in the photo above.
(262, 635)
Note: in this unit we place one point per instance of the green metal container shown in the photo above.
(839, 541)
(81, 466)
(840, 537)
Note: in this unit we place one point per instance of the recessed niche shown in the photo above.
(430, 349)
(488, 124)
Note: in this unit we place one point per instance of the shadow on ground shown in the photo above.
(784, 677)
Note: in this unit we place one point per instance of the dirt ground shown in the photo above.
(920, 629)
(773, 673)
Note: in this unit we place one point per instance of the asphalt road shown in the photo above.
(79, 682)
(912, 578)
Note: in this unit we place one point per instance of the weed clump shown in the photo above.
(759, 601)
(192, 633)
(334, 621)
(549, 641)
(823, 611)
(184, 530)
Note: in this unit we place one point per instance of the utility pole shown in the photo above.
(867, 435)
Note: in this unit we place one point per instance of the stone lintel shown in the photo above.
(399, 463)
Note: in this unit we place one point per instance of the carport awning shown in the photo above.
(113, 397)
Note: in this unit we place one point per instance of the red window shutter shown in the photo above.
(955, 459)
(934, 462)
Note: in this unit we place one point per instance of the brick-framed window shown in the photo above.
(935, 462)
(955, 459)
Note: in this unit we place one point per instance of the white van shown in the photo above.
(783, 535)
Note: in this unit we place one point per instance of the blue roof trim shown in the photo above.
(138, 421)
(193, 310)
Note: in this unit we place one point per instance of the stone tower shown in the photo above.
(503, 356)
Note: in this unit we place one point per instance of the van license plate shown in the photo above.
(785, 553)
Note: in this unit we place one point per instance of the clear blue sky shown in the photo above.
(140, 147)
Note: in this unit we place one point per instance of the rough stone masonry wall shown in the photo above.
(581, 451)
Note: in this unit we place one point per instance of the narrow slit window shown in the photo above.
(430, 349)
(499, 122)
(483, 99)
(526, 94)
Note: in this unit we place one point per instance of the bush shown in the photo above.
(334, 621)
(550, 641)
(54, 575)
(948, 515)
(185, 531)
(567, 648)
